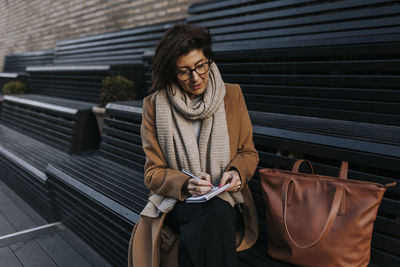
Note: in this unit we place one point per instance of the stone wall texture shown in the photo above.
(31, 25)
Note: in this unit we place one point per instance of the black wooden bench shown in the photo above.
(99, 196)
(36, 130)
(321, 80)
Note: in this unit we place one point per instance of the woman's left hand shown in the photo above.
(233, 178)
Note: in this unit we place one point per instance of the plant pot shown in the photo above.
(100, 113)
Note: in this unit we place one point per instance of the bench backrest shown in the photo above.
(335, 59)
(65, 124)
(81, 83)
(245, 25)
(354, 82)
(121, 140)
(16, 63)
(113, 48)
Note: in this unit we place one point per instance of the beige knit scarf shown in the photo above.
(177, 139)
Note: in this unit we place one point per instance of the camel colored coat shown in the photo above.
(153, 244)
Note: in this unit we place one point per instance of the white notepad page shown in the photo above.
(215, 191)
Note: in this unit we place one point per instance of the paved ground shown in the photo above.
(26, 239)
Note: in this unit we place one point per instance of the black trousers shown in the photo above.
(207, 233)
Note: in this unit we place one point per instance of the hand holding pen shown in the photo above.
(198, 185)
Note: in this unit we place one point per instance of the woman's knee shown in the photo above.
(220, 210)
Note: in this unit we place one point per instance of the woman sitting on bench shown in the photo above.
(194, 121)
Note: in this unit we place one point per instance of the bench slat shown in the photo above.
(211, 19)
(208, 6)
(82, 221)
(366, 94)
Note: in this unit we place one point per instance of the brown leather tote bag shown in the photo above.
(316, 220)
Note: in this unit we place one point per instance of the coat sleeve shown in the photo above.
(158, 177)
(246, 158)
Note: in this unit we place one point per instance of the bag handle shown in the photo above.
(331, 218)
(342, 175)
(297, 164)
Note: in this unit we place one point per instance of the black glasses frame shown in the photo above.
(195, 70)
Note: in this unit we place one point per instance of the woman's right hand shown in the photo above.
(198, 187)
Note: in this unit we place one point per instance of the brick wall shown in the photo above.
(30, 25)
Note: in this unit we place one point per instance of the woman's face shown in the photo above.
(196, 83)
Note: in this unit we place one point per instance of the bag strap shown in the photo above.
(331, 218)
(297, 164)
(344, 169)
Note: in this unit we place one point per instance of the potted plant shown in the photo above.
(115, 88)
(13, 87)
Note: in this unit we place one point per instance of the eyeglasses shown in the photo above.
(201, 69)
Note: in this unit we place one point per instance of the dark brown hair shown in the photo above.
(178, 40)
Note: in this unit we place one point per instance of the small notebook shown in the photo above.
(215, 191)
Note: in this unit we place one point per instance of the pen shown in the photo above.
(192, 175)
(189, 173)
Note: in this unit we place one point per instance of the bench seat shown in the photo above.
(36, 130)
(257, 256)
(23, 161)
(100, 199)
(101, 195)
